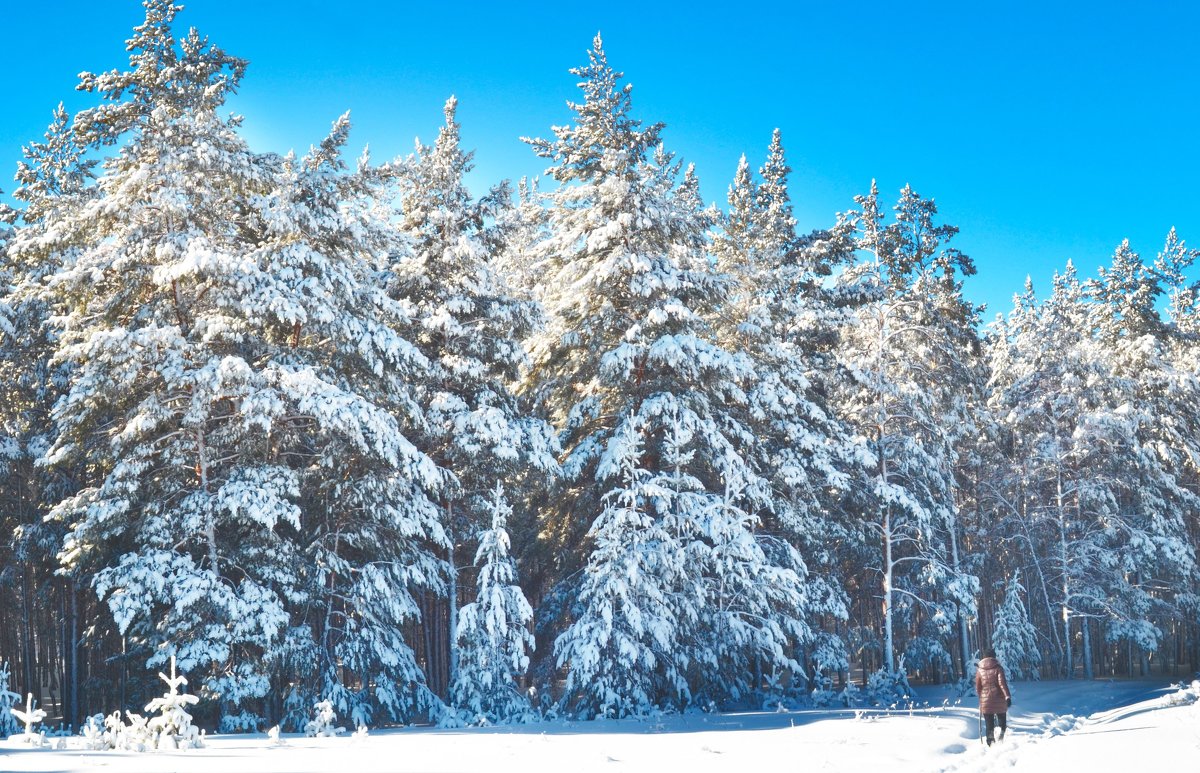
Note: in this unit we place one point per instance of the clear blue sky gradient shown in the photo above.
(1045, 131)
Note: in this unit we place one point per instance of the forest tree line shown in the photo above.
(332, 428)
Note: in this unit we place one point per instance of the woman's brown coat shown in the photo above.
(991, 687)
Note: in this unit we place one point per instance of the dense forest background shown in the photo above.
(333, 428)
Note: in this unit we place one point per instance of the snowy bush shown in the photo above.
(774, 693)
(134, 737)
(851, 695)
(822, 694)
(93, 734)
(171, 729)
(1183, 695)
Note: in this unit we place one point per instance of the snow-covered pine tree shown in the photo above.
(470, 328)
(1154, 463)
(1014, 637)
(253, 503)
(785, 318)
(912, 353)
(519, 227)
(628, 353)
(493, 637)
(341, 358)
(53, 183)
(1050, 387)
(1173, 264)
(1042, 382)
(175, 529)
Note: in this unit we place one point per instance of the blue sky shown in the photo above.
(1045, 131)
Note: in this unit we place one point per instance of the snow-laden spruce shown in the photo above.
(1014, 637)
(628, 353)
(493, 637)
(624, 646)
(8, 701)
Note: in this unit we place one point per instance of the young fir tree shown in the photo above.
(1014, 637)
(628, 352)
(493, 636)
(622, 646)
(470, 328)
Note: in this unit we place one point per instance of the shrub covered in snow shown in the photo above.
(171, 729)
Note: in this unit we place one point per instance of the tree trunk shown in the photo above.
(210, 526)
(452, 592)
(1087, 649)
(888, 641)
(1068, 662)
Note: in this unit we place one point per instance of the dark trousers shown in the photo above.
(990, 719)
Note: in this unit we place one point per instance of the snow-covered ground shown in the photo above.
(1054, 726)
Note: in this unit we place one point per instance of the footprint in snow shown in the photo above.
(955, 748)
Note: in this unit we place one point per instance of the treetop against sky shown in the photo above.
(1044, 131)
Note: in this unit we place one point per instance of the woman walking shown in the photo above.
(994, 697)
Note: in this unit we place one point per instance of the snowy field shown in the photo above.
(1054, 726)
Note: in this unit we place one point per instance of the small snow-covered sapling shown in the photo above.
(275, 738)
(93, 733)
(322, 724)
(30, 717)
(173, 727)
